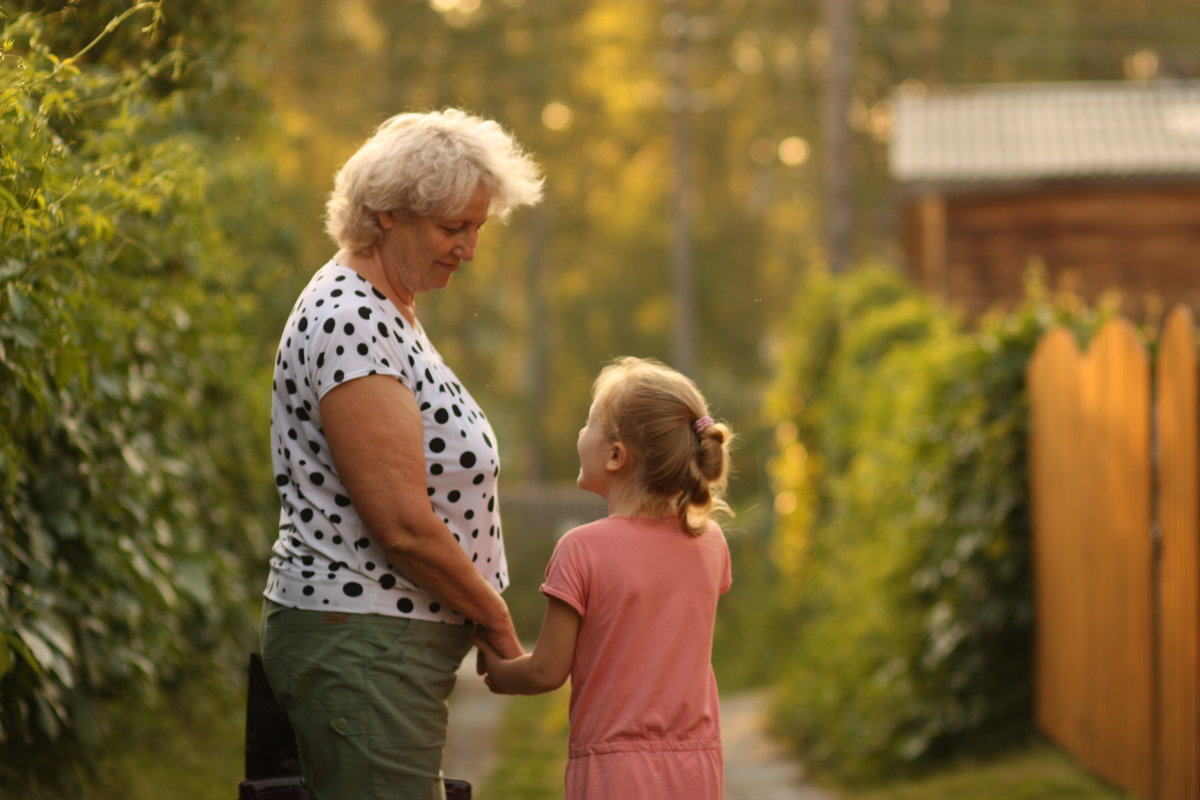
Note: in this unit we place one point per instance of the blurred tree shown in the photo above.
(587, 86)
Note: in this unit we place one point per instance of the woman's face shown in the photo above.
(420, 253)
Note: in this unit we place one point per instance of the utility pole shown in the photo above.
(682, 271)
(835, 121)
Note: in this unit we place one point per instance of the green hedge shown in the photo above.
(136, 235)
(903, 524)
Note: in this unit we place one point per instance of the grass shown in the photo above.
(1038, 772)
(186, 744)
(531, 749)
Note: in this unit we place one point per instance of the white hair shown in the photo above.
(428, 163)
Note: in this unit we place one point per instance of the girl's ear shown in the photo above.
(618, 457)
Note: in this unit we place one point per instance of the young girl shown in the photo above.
(632, 597)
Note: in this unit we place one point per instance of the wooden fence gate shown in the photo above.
(1116, 514)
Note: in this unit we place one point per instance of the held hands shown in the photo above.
(486, 659)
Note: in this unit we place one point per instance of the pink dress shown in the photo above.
(645, 718)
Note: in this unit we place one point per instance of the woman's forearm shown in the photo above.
(426, 552)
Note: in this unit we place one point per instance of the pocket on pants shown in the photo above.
(408, 683)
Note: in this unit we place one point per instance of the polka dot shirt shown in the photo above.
(342, 328)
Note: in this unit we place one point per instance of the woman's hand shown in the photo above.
(486, 659)
(501, 637)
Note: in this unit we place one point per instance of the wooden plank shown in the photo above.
(1054, 380)
(1179, 587)
(1116, 453)
(1090, 471)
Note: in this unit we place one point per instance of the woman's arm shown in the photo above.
(547, 667)
(375, 434)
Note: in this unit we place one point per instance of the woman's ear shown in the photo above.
(618, 457)
(386, 220)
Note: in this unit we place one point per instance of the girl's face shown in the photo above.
(594, 448)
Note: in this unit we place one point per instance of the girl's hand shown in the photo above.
(486, 659)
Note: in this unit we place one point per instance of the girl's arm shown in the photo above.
(547, 667)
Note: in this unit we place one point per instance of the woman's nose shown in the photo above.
(465, 249)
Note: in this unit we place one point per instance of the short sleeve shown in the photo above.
(567, 575)
(352, 341)
(726, 569)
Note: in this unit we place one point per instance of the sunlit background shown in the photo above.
(722, 193)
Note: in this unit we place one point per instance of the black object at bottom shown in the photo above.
(272, 763)
(292, 788)
(286, 788)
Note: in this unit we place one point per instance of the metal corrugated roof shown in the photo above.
(1013, 132)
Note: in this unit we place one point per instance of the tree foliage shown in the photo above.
(132, 369)
(905, 530)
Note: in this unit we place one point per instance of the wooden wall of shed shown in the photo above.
(975, 250)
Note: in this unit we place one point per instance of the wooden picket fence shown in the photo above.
(1115, 474)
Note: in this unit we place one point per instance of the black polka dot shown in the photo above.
(281, 480)
(404, 605)
(437, 445)
(434, 469)
(308, 590)
(435, 607)
(352, 589)
(362, 543)
(364, 312)
(329, 326)
(467, 460)
(453, 496)
(441, 416)
(387, 581)
(341, 500)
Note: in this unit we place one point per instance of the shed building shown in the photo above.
(1096, 181)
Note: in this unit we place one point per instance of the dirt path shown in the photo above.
(475, 715)
(756, 766)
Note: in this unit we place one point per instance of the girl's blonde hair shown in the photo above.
(653, 411)
(428, 163)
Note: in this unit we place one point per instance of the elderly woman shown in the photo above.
(389, 554)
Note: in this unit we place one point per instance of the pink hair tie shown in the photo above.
(702, 424)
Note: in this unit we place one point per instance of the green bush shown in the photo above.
(903, 526)
(133, 246)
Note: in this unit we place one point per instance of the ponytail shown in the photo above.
(680, 454)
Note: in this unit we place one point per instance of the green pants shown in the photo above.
(366, 695)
